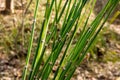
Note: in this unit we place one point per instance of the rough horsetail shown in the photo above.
(68, 13)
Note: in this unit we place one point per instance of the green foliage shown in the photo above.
(105, 45)
(69, 15)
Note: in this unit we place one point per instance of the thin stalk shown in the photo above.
(90, 43)
(55, 54)
(97, 32)
(42, 38)
(51, 60)
(30, 43)
(68, 65)
(83, 39)
(66, 48)
(76, 27)
(52, 31)
(74, 18)
(57, 51)
(63, 9)
(81, 43)
(68, 16)
(56, 10)
(81, 58)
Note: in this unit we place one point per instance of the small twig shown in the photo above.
(28, 6)
(23, 17)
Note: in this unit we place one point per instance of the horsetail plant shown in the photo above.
(30, 43)
(69, 14)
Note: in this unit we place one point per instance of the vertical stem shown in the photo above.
(42, 37)
(30, 43)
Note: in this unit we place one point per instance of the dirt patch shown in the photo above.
(11, 69)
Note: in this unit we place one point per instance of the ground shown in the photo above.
(11, 69)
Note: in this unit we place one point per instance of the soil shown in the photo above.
(11, 69)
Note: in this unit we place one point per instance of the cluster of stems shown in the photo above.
(68, 13)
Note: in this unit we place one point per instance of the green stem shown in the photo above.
(30, 43)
